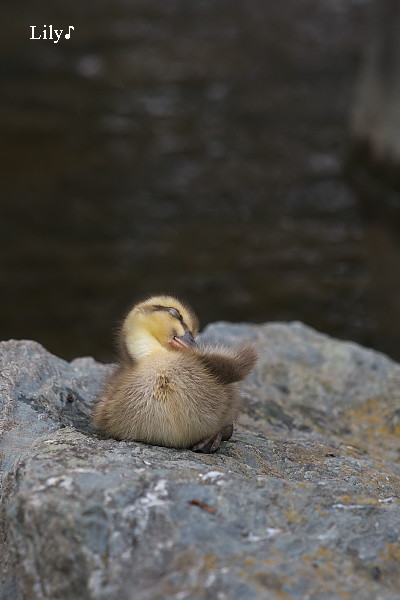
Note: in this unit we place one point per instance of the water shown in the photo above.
(194, 148)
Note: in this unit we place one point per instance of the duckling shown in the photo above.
(166, 389)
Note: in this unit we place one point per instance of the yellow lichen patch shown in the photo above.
(292, 516)
(325, 573)
(363, 501)
(273, 561)
(210, 561)
(388, 564)
(299, 454)
(322, 559)
(264, 573)
(249, 562)
(351, 500)
(390, 553)
(322, 553)
(272, 582)
(345, 595)
(371, 428)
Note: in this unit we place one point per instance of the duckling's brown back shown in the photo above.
(169, 398)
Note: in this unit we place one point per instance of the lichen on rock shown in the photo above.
(302, 502)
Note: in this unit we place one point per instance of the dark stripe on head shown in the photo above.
(172, 311)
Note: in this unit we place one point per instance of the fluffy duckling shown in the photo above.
(166, 389)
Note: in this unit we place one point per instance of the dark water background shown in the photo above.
(190, 147)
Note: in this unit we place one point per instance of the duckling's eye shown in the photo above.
(174, 313)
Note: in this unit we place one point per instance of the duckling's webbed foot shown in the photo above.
(208, 445)
(211, 444)
(227, 432)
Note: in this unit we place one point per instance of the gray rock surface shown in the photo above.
(302, 503)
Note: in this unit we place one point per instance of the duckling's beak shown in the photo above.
(183, 341)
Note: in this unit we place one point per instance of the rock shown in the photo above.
(303, 502)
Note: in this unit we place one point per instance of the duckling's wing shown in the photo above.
(228, 364)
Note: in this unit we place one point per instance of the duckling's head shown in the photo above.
(161, 323)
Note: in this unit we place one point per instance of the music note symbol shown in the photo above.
(68, 35)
